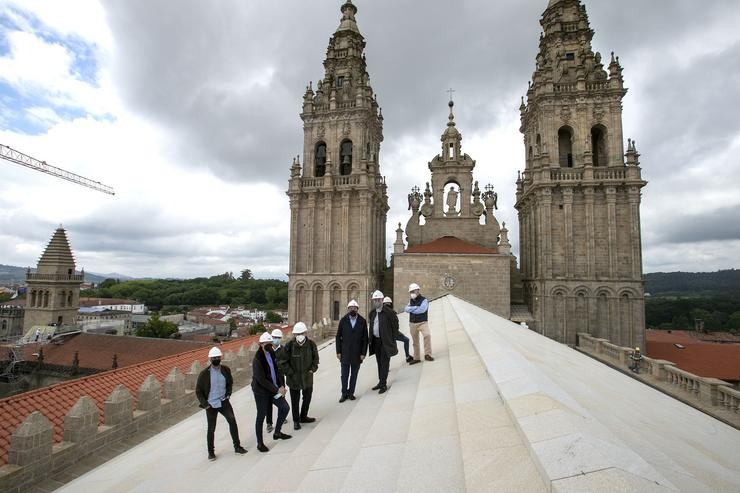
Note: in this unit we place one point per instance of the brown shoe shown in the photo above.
(413, 362)
(428, 358)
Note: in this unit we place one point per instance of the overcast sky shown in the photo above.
(189, 109)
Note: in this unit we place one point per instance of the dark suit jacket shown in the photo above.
(351, 343)
(388, 330)
(261, 379)
(203, 384)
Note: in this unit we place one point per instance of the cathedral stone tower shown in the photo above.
(338, 198)
(578, 199)
(53, 294)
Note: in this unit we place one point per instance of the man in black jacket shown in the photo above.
(382, 329)
(268, 388)
(351, 344)
(213, 389)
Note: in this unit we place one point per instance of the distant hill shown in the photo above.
(722, 283)
(12, 274)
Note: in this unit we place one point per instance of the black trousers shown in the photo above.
(295, 396)
(384, 361)
(263, 403)
(349, 378)
(228, 413)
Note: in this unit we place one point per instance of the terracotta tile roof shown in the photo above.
(97, 350)
(700, 357)
(56, 401)
(107, 301)
(451, 244)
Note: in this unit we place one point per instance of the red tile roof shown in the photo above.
(56, 401)
(451, 244)
(106, 301)
(97, 350)
(700, 357)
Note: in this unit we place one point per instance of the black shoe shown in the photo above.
(377, 386)
(428, 358)
(383, 390)
(281, 436)
(343, 398)
(270, 427)
(262, 447)
(308, 419)
(211, 456)
(409, 359)
(240, 450)
(296, 425)
(352, 397)
(414, 361)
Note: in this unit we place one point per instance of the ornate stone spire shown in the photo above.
(451, 138)
(349, 10)
(58, 252)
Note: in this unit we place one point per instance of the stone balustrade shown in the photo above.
(713, 396)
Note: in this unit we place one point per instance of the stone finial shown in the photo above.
(191, 377)
(174, 384)
(81, 422)
(148, 396)
(229, 356)
(31, 441)
(504, 247)
(119, 407)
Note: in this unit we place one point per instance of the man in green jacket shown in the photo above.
(299, 360)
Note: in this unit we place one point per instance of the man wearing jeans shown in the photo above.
(418, 310)
(268, 388)
(351, 344)
(213, 389)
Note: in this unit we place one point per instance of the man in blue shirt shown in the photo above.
(418, 310)
(213, 389)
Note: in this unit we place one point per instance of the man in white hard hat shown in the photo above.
(213, 389)
(383, 328)
(387, 301)
(268, 388)
(351, 344)
(418, 310)
(299, 361)
(277, 346)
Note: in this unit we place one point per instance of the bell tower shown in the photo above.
(578, 198)
(338, 198)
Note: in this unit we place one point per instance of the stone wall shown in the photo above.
(11, 321)
(483, 280)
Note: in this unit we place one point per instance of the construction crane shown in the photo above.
(18, 157)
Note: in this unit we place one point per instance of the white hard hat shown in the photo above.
(387, 299)
(266, 337)
(413, 287)
(353, 303)
(277, 333)
(299, 328)
(377, 295)
(215, 352)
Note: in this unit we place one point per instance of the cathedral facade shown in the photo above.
(579, 195)
(338, 198)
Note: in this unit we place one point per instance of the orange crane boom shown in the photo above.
(18, 157)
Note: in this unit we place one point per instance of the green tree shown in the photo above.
(271, 294)
(733, 323)
(232, 326)
(256, 329)
(246, 275)
(273, 318)
(161, 329)
(108, 283)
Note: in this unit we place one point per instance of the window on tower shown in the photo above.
(570, 57)
(345, 158)
(320, 160)
(451, 151)
(599, 146)
(565, 147)
(340, 81)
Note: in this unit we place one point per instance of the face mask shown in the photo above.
(413, 296)
(378, 304)
(300, 338)
(353, 313)
(276, 341)
(215, 362)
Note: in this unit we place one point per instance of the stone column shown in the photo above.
(310, 264)
(31, 441)
(328, 240)
(588, 195)
(81, 422)
(345, 232)
(119, 407)
(635, 240)
(569, 249)
(611, 204)
(547, 231)
(148, 396)
(174, 384)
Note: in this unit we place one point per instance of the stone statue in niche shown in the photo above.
(452, 201)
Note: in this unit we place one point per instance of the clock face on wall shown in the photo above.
(449, 282)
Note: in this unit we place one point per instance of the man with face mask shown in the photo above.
(383, 329)
(277, 338)
(213, 389)
(299, 360)
(268, 388)
(351, 344)
(418, 309)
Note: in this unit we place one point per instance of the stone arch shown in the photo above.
(566, 137)
(33, 298)
(599, 145)
(582, 312)
(318, 302)
(451, 182)
(320, 157)
(345, 157)
(46, 299)
(603, 313)
(335, 290)
(559, 313)
(300, 300)
(538, 144)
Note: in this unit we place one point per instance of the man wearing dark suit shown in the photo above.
(351, 344)
(382, 332)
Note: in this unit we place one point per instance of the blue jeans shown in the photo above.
(402, 338)
(265, 402)
(348, 368)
